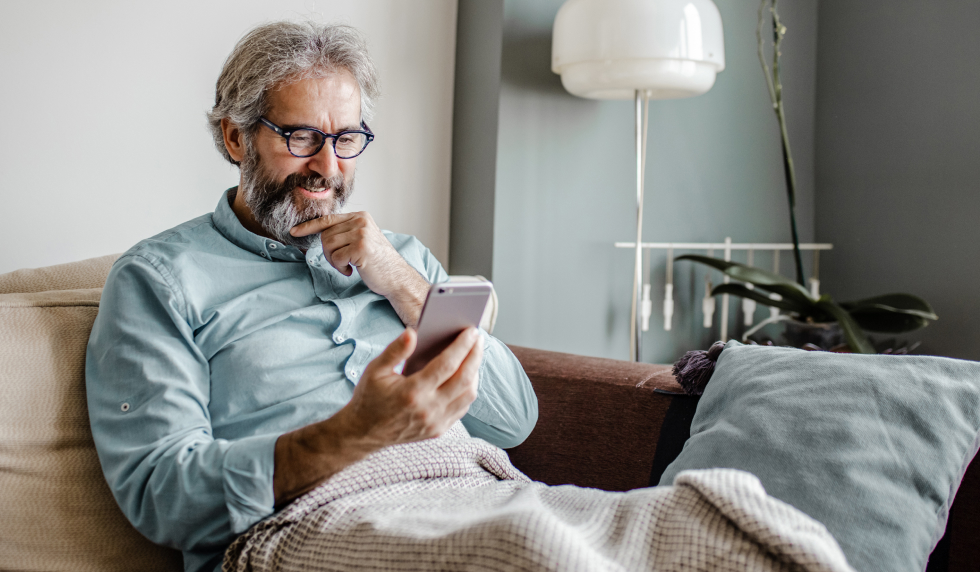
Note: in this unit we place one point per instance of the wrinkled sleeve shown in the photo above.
(506, 408)
(148, 388)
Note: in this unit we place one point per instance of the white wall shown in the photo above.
(103, 138)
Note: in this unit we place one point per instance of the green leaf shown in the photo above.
(791, 293)
(766, 280)
(784, 304)
(896, 303)
(855, 336)
(888, 322)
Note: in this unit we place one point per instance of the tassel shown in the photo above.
(694, 369)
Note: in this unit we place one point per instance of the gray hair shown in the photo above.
(283, 52)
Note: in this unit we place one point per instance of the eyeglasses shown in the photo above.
(307, 141)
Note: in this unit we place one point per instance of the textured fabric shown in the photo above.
(56, 512)
(598, 420)
(211, 342)
(456, 504)
(83, 274)
(873, 446)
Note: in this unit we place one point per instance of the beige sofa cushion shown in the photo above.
(89, 273)
(56, 511)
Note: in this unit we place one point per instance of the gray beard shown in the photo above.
(273, 205)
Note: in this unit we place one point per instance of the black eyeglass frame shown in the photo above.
(332, 136)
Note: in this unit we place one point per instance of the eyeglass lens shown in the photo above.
(306, 142)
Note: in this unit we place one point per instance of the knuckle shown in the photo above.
(444, 369)
(422, 418)
(410, 401)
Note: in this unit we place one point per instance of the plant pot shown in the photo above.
(824, 335)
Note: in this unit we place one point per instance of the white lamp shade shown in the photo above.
(608, 49)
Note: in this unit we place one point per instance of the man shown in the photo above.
(246, 356)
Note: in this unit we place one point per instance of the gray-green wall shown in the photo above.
(476, 94)
(898, 158)
(565, 190)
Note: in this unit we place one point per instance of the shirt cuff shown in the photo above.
(248, 469)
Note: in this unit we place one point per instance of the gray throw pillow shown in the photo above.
(872, 446)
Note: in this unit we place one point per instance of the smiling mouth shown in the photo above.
(316, 191)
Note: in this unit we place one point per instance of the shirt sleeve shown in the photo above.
(148, 389)
(506, 407)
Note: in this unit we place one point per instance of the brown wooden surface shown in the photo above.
(598, 420)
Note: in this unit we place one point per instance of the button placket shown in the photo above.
(321, 281)
(346, 313)
(356, 362)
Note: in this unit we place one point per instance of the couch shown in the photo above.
(603, 423)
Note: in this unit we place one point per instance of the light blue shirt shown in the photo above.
(211, 342)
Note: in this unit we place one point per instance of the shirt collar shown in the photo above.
(227, 223)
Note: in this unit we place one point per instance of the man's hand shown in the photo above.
(354, 240)
(386, 409)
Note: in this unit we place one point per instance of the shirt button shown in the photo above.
(339, 338)
(353, 373)
(124, 407)
(273, 245)
(264, 255)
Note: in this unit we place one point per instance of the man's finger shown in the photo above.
(397, 351)
(458, 407)
(341, 260)
(319, 224)
(468, 370)
(444, 365)
(335, 242)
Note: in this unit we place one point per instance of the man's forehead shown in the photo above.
(333, 97)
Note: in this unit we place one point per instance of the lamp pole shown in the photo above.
(635, 330)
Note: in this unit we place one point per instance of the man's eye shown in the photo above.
(304, 138)
(350, 142)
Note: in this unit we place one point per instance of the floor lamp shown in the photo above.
(639, 50)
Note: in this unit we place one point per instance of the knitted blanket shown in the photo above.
(456, 503)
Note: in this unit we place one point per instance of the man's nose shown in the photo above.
(325, 163)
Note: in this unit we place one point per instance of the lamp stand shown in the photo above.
(635, 330)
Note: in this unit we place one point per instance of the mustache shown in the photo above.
(314, 182)
(277, 193)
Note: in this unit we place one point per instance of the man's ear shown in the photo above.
(234, 140)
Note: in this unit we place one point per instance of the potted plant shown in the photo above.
(889, 313)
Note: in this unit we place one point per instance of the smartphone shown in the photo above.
(450, 308)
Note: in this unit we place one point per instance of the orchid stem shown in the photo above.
(776, 95)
